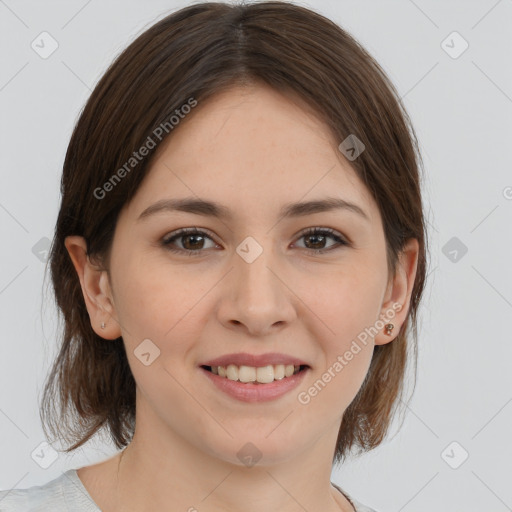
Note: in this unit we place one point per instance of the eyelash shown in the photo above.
(167, 241)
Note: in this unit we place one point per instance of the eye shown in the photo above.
(193, 240)
(319, 236)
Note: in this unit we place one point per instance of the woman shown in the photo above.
(239, 258)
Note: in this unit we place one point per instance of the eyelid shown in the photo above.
(323, 229)
(192, 229)
(186, 231)
(341, 239)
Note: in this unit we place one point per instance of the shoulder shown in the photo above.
(358, 506)
(64, 493)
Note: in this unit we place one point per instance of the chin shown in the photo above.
(250, 447)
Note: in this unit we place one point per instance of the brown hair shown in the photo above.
(197, 52)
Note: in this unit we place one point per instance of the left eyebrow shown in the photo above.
(213, 209)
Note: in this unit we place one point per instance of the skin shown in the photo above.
(264, 150)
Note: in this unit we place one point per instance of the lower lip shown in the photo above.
(251, 392)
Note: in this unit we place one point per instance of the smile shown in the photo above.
(244, 383)
(261, 374)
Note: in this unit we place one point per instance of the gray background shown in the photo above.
(462, 110)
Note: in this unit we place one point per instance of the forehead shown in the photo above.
(251, 148)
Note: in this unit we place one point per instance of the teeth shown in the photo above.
(246, 374)
(262, 374)
(265, 374)
(232, 372)
(279, 371)
(288, 370)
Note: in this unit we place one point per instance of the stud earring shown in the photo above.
(389, 328)
(103, 325)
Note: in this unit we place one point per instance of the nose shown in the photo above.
(255, 296)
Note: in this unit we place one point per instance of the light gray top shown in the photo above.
(66, 493)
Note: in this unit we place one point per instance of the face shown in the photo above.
(253, 281)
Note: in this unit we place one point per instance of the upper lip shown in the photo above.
(245, 359)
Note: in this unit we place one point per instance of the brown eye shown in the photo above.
(192, 241)
(317, 237)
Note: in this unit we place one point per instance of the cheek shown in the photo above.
(337, 379)
(345, 308)
(345, 302)
(155, 298)
(165, 305)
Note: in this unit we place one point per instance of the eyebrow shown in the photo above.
(213, 209)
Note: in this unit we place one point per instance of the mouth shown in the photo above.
(256, 374)
(255, 383)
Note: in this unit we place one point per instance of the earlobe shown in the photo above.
(396, 305)
(95, 286)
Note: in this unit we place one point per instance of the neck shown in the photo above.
(160, 468)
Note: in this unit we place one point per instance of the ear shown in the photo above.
(398, 294)
(96, 289)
